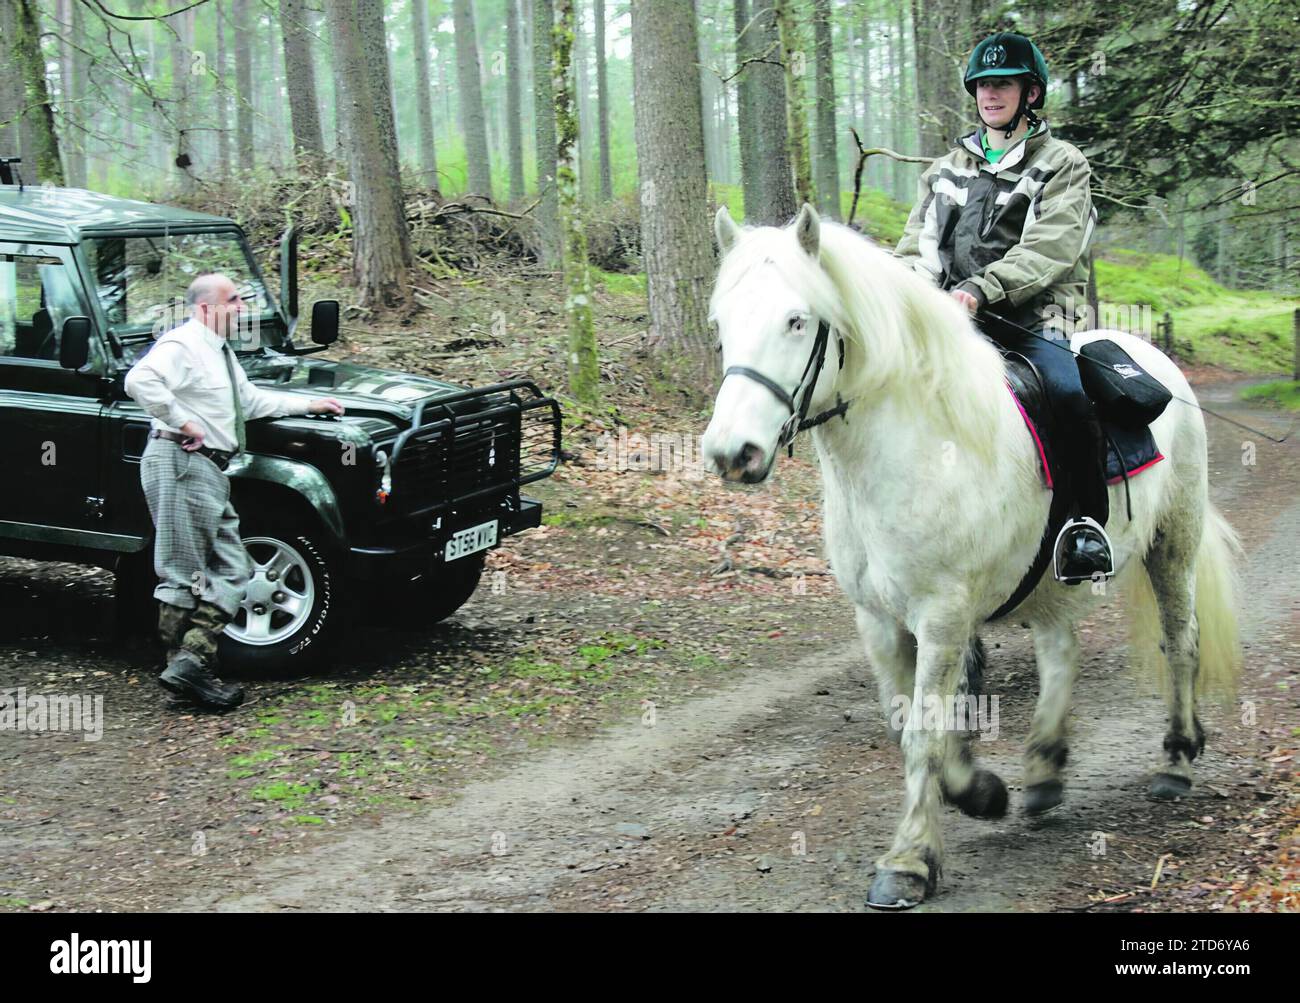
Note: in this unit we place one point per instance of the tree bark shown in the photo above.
(244, 104)
(793, 55)
(469, 82)
(750, 169)
(670, 153)
(828, 166)
(424, 91)
(381, 251)
(514, 101)
(221, 81)
(602, 105)
(775, 201)
(584, 366)
(300, 76)
(181, 50)
(547, 212)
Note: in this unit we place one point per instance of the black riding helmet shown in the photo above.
(1007, 54)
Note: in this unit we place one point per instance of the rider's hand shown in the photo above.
(324, 405)
(966, 299)
(195, 432)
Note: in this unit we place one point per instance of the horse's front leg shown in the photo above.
(909, 871)
(892, 651)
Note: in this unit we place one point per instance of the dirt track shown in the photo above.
(708, 808)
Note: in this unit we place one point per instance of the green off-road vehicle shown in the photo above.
(400, 497)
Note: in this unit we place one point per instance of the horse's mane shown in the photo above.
(915, 341)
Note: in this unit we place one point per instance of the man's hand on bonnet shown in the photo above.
(324, 405)
(966, 299)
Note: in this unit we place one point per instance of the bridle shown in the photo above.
(799, 420)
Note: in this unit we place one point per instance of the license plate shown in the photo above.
(471, 541)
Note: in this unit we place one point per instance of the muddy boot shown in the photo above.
(173, 622)
(190, 672)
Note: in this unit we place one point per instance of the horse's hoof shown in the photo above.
(1169, 787)
(986, 797)
(897, 890)
(1042, 798)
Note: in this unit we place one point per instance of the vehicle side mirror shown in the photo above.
(325, 322)
(74, 342)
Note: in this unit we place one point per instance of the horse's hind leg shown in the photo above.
(1056, 651)
(978, 792)
(1172, 568)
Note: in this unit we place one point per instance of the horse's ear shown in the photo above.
(808, 230)
(725, 229)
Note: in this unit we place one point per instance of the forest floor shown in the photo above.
(656, 701)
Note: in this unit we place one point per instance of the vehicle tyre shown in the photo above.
(292, 608)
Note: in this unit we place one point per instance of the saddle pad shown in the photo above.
(1128, 450)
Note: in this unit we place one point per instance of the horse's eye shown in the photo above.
(797, 325)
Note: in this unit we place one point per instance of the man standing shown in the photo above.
(200, 397)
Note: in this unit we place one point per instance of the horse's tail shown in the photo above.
(1217, 569)
(1218, 585)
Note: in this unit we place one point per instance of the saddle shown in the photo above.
(1127, 400)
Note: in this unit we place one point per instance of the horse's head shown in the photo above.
(767, 333)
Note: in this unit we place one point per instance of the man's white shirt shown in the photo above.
(184, 378)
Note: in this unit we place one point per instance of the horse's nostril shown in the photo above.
(750, 456)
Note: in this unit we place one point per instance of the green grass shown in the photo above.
(1280, 393)
(1246, 330)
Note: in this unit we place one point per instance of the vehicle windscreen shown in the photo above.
(141, 283)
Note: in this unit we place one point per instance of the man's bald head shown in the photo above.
(207, 288)
(214, 302)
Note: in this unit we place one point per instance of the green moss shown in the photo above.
(289, 795)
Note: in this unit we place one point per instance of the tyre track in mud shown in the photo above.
(709, 808)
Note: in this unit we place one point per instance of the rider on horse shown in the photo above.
(1003, 222)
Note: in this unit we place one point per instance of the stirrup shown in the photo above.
(1059, 556)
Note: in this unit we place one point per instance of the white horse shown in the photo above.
(934, 510)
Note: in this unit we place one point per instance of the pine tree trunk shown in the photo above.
(221, 81)
(794, 56)
(670, 154)
(245, 107)
(708, 100)
(582, 97)
(470, 86)
(381, 250)
(584, 364)
(374, 42)
(75, 113)
(750, 169)
(602, 105)
(424, 91)
(828, 166)
(547, 212)
(301, 77)
(181, 48)
(775, 202)
(514, 101)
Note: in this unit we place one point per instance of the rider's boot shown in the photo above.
(1083, 550)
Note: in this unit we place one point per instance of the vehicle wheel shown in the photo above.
(292, 606)
(436, 595)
